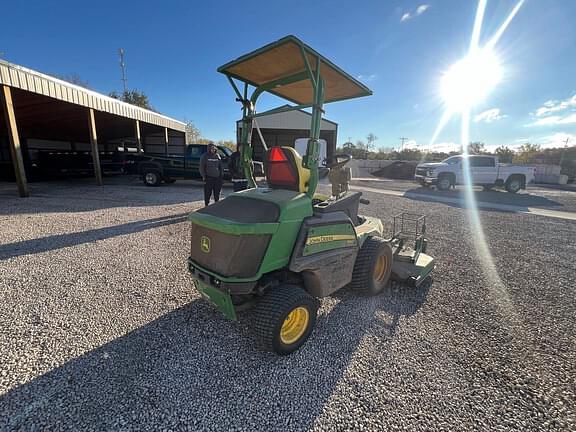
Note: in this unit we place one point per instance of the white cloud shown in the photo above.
(410, 145)
(489, 116)
(367, 78)
(554, 106)
(556, 140)
(554, 120)
(419, 11)
(443, 147)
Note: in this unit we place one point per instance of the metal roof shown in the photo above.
(22, 78)
(286, 58)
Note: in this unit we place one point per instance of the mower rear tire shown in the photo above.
(285, 318)
(373, 266)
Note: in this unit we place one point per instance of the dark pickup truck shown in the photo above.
(156, 168)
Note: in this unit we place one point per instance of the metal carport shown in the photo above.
(36, 106)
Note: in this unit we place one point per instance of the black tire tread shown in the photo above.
(277, 303)
(152, 170)
(362, 273)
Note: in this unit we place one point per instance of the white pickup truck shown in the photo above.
(485, 171)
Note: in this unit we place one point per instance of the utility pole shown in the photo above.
(563, 151)
(403, 139)
(123, 69)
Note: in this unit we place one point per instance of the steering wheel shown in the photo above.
(339, 160)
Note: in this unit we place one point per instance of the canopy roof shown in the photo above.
(282, 59)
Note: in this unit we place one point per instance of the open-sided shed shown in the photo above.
(40, 108)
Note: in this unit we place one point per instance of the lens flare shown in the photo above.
(467, 83)
(470, 80)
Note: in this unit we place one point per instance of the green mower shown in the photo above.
(280, 248)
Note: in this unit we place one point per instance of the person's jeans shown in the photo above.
(212, 185)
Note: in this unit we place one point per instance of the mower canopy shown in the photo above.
(286, 59)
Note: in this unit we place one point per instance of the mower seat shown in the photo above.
(348, 204)
(283, 169)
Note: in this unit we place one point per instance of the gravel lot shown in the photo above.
(533, 196)
(100, 328)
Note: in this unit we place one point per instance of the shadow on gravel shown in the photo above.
(491, 197)
(191, 368)
(59, 241)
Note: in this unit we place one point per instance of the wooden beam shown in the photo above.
(138, 136)
(94, 144)
(15, 149)
(166, 140)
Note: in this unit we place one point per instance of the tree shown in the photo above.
(370, 139)
(476, 148)
(133, 97)
(192, 132)
(526, 153)
(73, 79)
(228, 143)
(505, 154)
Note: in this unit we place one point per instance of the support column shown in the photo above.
(94, 145)
(15, 150)
(137, 135)
(166, 141)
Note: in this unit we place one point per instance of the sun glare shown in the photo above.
(470, 80)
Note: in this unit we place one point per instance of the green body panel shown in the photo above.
(230, 227)
(294, 208)
(221, 300)
(425, 264)
(329, 237)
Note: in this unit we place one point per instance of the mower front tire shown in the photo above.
(373, 266)
(285, 318)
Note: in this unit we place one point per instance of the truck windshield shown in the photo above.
(452, 160)
(226, 151)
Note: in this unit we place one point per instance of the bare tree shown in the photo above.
(370, 140)
(193, 134)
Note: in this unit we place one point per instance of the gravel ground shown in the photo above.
(533, 196)
(100, 328)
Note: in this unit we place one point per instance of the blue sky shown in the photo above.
(399, 48)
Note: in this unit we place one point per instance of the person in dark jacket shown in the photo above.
(236, 171)
(211, 171)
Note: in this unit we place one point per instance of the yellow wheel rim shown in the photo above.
(294, 325)
(380, 268)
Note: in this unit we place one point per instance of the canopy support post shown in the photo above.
(14, 138)
(94, 145)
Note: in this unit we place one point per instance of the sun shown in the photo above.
(470, 80)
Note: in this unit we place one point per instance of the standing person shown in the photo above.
(211, 171)
(237, 171)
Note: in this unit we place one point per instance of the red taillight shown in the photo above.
(281, 173)
(277, 155)
(280, 170)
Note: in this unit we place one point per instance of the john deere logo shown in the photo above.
(205, 244)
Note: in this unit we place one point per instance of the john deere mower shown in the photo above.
(281, 247)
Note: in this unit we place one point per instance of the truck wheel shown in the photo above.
(444, 183)
(151, 177)
(285, 318)
(513, 185)
(373, 266)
